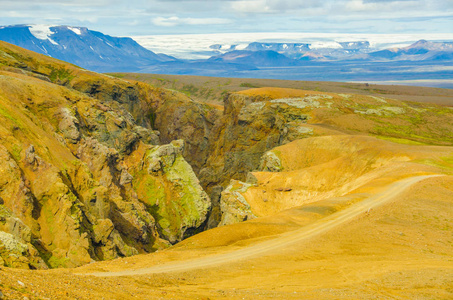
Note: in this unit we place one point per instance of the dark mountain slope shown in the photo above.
(78, 45)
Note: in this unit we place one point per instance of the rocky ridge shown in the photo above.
(258, 120)
(86, 48)
(83, 176)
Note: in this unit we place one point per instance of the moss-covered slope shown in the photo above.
(75, 175)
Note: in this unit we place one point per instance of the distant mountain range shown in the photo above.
(260, 58)
(329, 60)
(420, 51)
(305, 51)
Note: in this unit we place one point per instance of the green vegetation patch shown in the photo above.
(61, 76)
(189, 89)
(6, 114)
(445, 165)
(408, 132)
(248, 85)
(4, 213)
(58, 262)
(152, 191)
(448, 160)
(16, 151)
(399, 140)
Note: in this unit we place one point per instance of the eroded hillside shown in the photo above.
(83, 177)
(95, 167)
(258, 120)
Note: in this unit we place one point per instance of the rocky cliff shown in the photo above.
(257, 120)
(83, 174)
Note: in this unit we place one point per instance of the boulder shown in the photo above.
(233, 205)
(13, 252)
(171, 191)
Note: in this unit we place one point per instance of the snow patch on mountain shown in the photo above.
(197, 46)
(53, 42)
(41, 32)
(81, 46)
(241, 46)
(75, 30)
(320, 45)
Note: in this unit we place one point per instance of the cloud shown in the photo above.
(273, 6)
(175, 21)
(385, 1)
(255, 6)
(333, 8)
(133, 17)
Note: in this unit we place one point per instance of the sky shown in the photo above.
(159, 17)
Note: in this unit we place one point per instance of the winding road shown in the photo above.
(284, 240)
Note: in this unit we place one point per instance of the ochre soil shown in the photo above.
(400, 250)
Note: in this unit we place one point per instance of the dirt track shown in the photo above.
(284, 240)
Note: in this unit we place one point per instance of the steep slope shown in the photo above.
(257, 120)
(82, 175)
(78, 45)
(309, 170)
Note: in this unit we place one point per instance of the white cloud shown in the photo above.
(175, 21)
(274, 6)
(254, 6)
(133, 17)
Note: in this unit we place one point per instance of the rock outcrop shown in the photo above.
(250, 126)
(82, 175)
(179, 117)
(233, 205)
(169, 188)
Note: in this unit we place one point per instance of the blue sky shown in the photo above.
(142, 17)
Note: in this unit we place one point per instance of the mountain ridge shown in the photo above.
(81, 46)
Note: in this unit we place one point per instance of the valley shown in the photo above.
(148, 186)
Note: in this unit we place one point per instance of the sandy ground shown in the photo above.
(282, 241)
